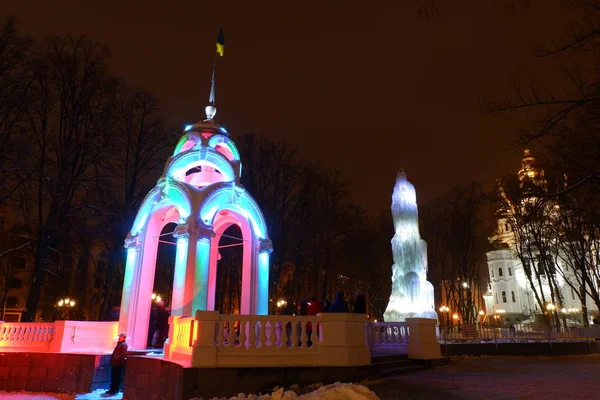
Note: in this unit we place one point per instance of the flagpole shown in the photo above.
(211, 97)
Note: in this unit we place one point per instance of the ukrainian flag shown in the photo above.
(221, 42)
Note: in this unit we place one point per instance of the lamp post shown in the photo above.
(501, 313)
(65, 305)
(551, 308)
(467, 303)
(281, 303)
(444, 310)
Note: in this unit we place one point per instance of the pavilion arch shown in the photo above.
(142, 249)
(183, 162)
(225, 146)
(187, 142)
(227, 195)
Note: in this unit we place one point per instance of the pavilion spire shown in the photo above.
(211, 109)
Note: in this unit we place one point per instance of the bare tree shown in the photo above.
(68, 121)
(13, 100)
(454, 230)
(575, 227)
(130, 166)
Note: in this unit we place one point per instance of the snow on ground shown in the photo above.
(336, 391)
(36, 396)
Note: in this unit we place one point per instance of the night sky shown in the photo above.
(365, 87)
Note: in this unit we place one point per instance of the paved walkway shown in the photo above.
(569, 377)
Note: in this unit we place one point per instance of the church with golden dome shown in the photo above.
(511, 297)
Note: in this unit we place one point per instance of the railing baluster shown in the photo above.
(243, 337)
(263, 334)
(220, 327)
(231, 334)
(304, 336)
(252, 335)
(294, 338)
(284, 334)
(272, 334)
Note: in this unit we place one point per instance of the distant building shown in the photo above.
(510, 297)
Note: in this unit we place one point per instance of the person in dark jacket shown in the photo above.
(339, 305)
(117, 363)
(325, 304)
(162, 325)
(360, 303)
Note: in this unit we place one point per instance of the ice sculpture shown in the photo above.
(412, 294)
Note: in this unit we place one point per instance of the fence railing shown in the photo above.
(387, 334)
(182, 334)
(17, 336)
(521, 333)
(59, 336)
(268, 340)
(269, 332)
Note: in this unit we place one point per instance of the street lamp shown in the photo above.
(501, 313)
(65, 304)
(281, 303)
(445, 310)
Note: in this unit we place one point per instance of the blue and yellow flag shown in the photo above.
(221, 42)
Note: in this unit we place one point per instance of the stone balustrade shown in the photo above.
(387, 334)
(182, 332)
(220, 340)
(31, 337)
(59, 337)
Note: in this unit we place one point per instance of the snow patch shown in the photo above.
(335, 391)
(36, 396)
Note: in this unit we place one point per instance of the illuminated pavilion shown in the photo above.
(200, 191)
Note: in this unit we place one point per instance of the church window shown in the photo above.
(503, 296)
(512, 293)
(14, 283)
(496, 297)
(492, 272)
(499, 271)
(509, 271)
(572, 294)
(18, 262)
(12, 302)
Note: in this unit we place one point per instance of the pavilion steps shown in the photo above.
(390, 365)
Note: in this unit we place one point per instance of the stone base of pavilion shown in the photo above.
(212, 354)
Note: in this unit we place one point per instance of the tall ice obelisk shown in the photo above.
(412, 294)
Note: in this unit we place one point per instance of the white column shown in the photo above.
(265, 248)
(197, 267)
(177, 302)
(131, 288)
(202, 274)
